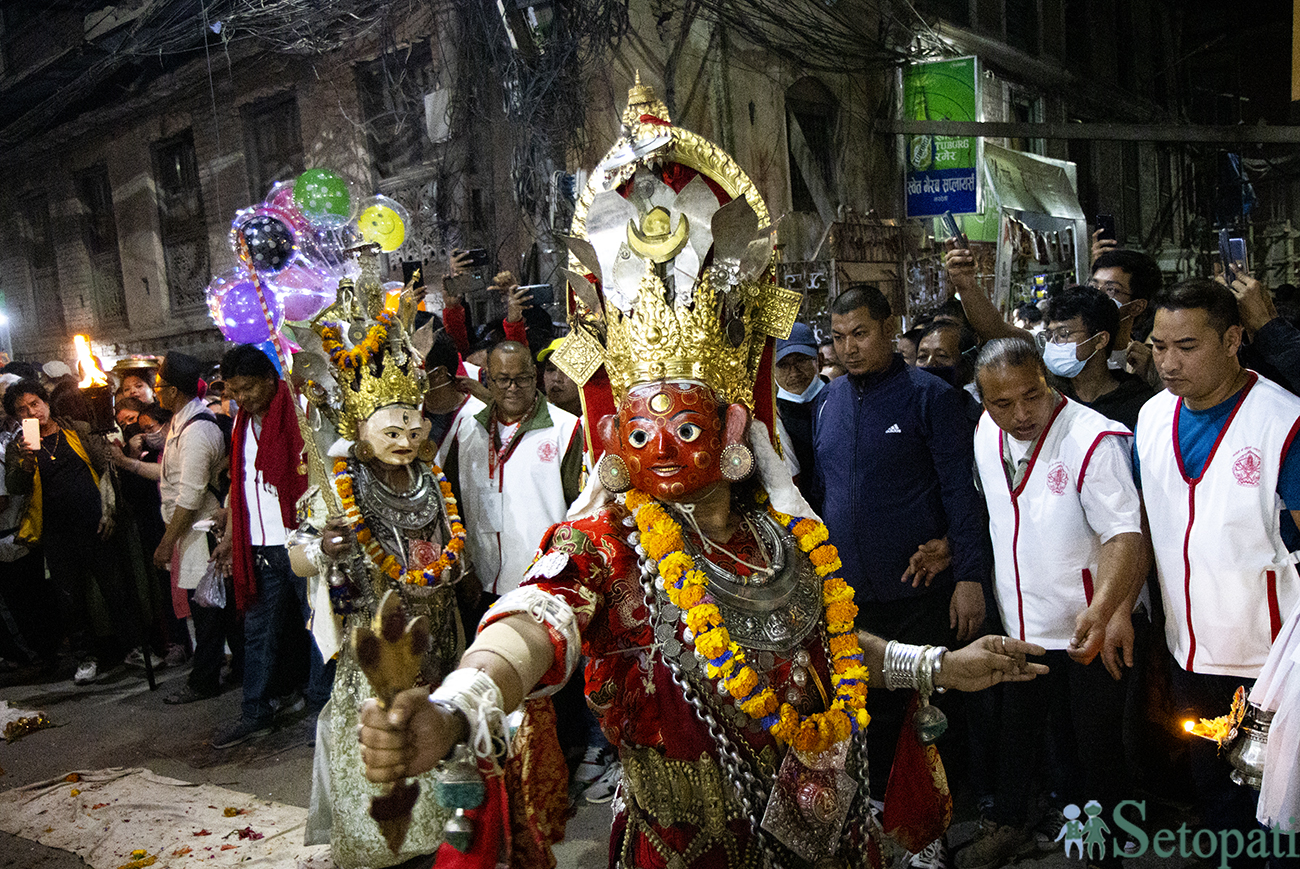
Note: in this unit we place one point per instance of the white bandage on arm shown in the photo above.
(522, 643)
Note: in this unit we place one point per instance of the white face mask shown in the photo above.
(1063, 359)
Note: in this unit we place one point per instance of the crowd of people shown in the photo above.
(1104, 483)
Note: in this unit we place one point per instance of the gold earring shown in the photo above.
(426, 452)
(737, 462)
(363, 451)
(613, 473)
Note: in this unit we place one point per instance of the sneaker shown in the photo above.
(136, 659)
(595, 761)
(176, 656)
(288, 704)
(87, 672)
(188, 694)
(241, 731)
(1047, 832)
(602, 790)
(995, 845)
(933, 856)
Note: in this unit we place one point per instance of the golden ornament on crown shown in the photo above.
(669, 282)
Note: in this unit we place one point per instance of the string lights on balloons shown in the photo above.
(293, 251)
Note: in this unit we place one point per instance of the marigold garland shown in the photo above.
(687, 588)
(331, 336)
(389, 564)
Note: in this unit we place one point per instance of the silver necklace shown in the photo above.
(411, 510)
(776, 612)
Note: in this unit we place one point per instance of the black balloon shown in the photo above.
(270, 243)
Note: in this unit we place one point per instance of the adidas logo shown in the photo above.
(894, 429)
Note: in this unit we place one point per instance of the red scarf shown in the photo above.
(279, 458)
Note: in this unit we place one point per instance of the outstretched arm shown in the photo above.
(979, 665)
(414, 734)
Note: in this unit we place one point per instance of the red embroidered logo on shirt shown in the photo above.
(547, 452)
(1246, 465)
(1057, 478)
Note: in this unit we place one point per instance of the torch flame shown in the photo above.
(91, 374)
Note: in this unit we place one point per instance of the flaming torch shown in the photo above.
(94, 387)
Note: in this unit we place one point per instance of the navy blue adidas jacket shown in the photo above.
(895, 458)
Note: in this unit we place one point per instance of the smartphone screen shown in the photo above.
(1225, 256)
(1237, 248)
(1106, 223)
(543, 294)
(954, 230)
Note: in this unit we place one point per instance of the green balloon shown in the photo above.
(323, 197)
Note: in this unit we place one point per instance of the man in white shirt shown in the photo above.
(1070, 559)
(194, 458)
(516, 466)
(267, 478)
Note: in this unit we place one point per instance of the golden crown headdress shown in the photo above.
(671, 263)
(373, 362)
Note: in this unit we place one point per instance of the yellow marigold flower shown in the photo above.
(824, 554)
(637, 499)
(863, 718)
(689, 597)
(803, 528)
(760, 705)
(699, 619)
(713, 643)
(845, 644)
(829, 569)
(783, 518)
(674, 564)
(742, 683)
(841, 612)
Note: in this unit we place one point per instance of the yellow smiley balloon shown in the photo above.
(383, 224)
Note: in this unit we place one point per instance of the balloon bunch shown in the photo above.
(292, 253)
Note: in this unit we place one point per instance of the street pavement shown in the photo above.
(119, 722)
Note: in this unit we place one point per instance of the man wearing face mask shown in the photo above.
(1082, 325)
(1131, 280)
(797, 385)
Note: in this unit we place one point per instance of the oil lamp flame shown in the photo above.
(91, 373)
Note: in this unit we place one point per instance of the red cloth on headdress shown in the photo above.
(279, 458)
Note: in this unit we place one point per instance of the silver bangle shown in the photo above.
(902, 665)
(474, 695)
(934, 667)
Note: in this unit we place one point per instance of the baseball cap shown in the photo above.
(548, 350)
(801, 340)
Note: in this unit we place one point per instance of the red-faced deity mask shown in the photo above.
(671, 435)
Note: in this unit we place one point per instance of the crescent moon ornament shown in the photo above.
(653, 241)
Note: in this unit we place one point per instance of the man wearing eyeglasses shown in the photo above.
(1083, 326)
(1131, 280)
(516, 466)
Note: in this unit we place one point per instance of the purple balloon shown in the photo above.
(240, 316)
(306, 290)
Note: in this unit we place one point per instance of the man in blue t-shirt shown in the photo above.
(1214, 459)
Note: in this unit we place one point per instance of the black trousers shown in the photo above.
(31, 602)
(213, 628)
(1081, 710)
(76, 559)
(921, 620)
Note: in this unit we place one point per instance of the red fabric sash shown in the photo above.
(279, 458)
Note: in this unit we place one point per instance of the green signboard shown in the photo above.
(942, 171)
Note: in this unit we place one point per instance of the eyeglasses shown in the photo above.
(1059, 335)
(524, 381)
(1112, 289)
